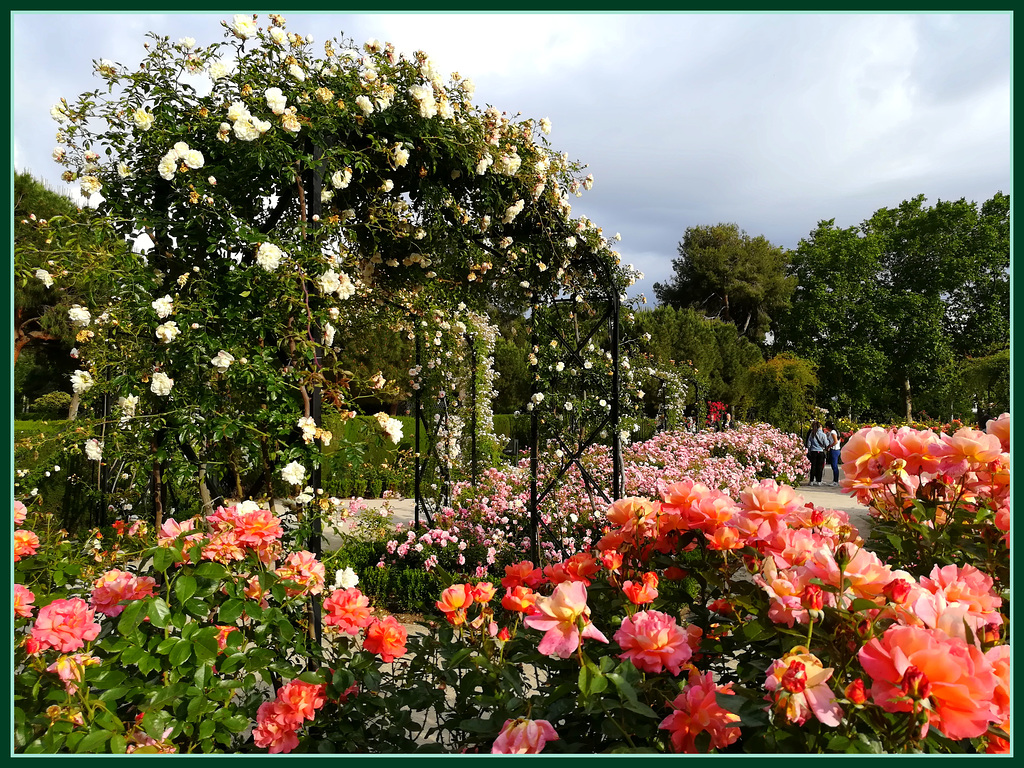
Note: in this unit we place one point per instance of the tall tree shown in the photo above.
(727, 274)
(882, 307)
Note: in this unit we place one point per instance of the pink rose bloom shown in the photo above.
(785, 588)
(965, 587)
(557, 616)
(523, 737)
(347, 610)
(298, 701)
(653, 642)
(304, 569)
(65, 625)
(697, 710)
(115, 587)
(922, 450)
(866, 453)
(20, 511)
(960, 680)
(71, 669)
(865, 574)
(635, 514)
(713, 512)
(1000, 427)
(800, 685)
(273, 728)
(771, 503)
(25, 543)
(23, 598)
(968, 449)
(999, 656)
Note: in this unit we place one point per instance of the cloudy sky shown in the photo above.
(773, 122)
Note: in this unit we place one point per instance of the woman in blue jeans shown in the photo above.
(833, 450)
(817, 443)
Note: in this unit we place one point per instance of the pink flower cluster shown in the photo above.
(278, 721)
(115, 587)
(890, 468)
(696, 710)
(234, 532)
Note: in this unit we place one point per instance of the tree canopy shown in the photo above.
(725, 273)
(884, 307)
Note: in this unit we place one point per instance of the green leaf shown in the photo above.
(131, 616)
(159, 613)
(478, 725)
(180, 653)
(184, 587)
(162, 558)
(154, 723)
(210, 570)
(204, 644)
(591, 679)
(93, 741)
(230, 611)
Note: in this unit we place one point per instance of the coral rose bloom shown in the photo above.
(25, 543)
(1000, 427)
(304, 569)
(519, 599)
(557, 617)
(299, 701)
(20, 512)
(273, 729)
(968, 449)
(865, 454)
(770, 503)
(635, 514)
(23, 598)
(920, 449)
(653, 642)
(696, 710)
(522, 574)
(523, 737)
(809, 694)
(386, 638)
(65, 625)
(347, 610)
(961, 678)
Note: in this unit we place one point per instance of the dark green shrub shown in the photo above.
(52, 405)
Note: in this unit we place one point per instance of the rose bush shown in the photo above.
(799, 639)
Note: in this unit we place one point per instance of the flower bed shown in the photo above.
(798, 638)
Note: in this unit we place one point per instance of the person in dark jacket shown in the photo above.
(817, 443)
(832, 452)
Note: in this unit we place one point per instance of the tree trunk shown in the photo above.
(73, 408)
(906, 397)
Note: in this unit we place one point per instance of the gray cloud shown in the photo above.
(771, 121)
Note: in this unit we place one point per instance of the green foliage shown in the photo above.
(725, 273)
(912, 292)
(782, 391)
(52, 405)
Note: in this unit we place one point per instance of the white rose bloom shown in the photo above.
(244, 26)
(296, 71)
(123, 170)
(345, 579)
(513, 210)
(401, 155)
(294, 473)
(223, 360)
(168, 165)
(387, 186)
(391, 427)
(329, 282)
(180, 147)
(143, 119)
(364, 104)
(291, 123)
(538, 397)
(269, 256)
(164, 307)
(90, 185)
(329, 332)
(246, 131)
(559, 366)
(46, 277)
(167, 332)
(276, 100)
(81, 382)
(262, 126)
(221, 68)
(238, 111)
(79, 316)
(161, 384)
(93, 449)
(483, 165)
(188, 43)
(341, 179)
(193, 158)
(545, 125)
(347, 288)
(59, 153)
(278, 35)
(127, 406)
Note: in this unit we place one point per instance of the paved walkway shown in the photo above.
(827, 497)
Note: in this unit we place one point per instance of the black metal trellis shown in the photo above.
(610, 317)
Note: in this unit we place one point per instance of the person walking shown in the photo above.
(833, 451)
(816, 443)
